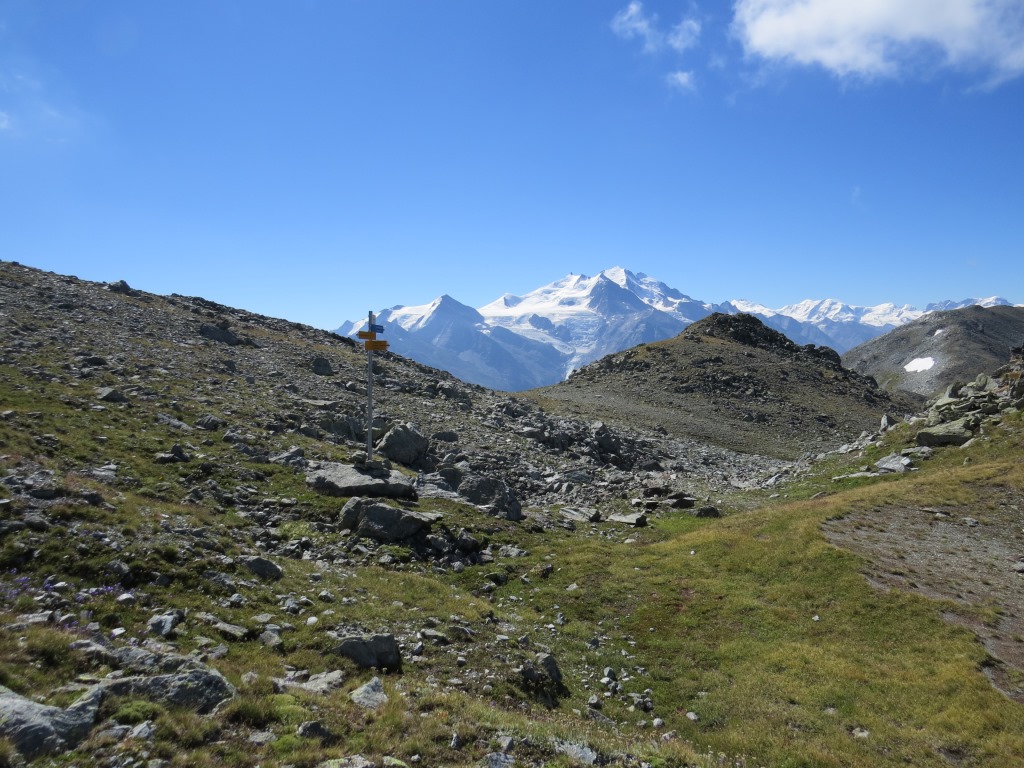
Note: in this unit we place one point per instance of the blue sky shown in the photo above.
(315, 160)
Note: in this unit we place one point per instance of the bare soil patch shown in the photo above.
(964, 555)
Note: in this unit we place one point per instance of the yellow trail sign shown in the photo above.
(376, 346)
(368, 335)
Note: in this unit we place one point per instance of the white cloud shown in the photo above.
(882, 38)
(632, 22)
(682, 80)
(684, 34)
(5, 121)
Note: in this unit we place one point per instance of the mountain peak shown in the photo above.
(559, 327)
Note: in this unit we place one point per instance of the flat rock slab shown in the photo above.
(954, 433)
(333, 479)
(580, 514)
(636, 519)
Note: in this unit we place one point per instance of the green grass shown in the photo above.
(716, 617)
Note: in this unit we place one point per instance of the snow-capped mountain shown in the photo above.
(521, 342)
(829, 322)
(991, 301)
(586, 318)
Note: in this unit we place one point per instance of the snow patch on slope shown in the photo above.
(919, 365)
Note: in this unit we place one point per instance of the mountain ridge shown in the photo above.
(578, 319)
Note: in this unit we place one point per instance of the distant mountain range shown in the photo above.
(925, 356)
(521, 342)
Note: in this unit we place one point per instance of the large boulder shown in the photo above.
(492, 494)
(371, 652)
(374, 520)
(333, 479)
(37, 729)
(220, 333)
(404, 443)
(952, 433)
(196, 687)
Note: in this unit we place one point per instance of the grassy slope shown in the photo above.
(718, 613)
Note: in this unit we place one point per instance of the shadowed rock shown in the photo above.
(380, 522)
(37, 729)
(371, 651)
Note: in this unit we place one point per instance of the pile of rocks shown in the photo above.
(956, 416)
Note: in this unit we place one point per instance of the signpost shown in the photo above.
(371, 344)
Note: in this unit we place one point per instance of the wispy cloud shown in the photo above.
(684, 35)
(886, 38)
(32, 112)
(632, 22)
(682, 80)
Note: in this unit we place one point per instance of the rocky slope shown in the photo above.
(188, 516)
(926, 355)
(730, 380)
(200, 566)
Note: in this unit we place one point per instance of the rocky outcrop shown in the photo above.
(492, 494)
(371, 652)
(37, 729)
(380, 522)
(956, 416)
(334, 479)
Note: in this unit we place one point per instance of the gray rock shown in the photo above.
(491, 493)
(578, 752)
(121, 287)
(265, 569)
(219, 333)
(706, 512)
(173, 423)
(312, 729)
(321, 366)
(498, 760)
(952, 433)
(272, 640)
(374, 520)
(165, 624)
(355, 761)
(111, 395)
(294, 456)
(197, 687)
(894, 462)
(210, 422)
(581, 514)
(332, 479)
(322, 683)
(233, 632)
(371, 695)
(371, 652)
(635, 519)
(37, 729)
(404, 443)
(547, 663)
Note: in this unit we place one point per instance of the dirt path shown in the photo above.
(967, 556)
